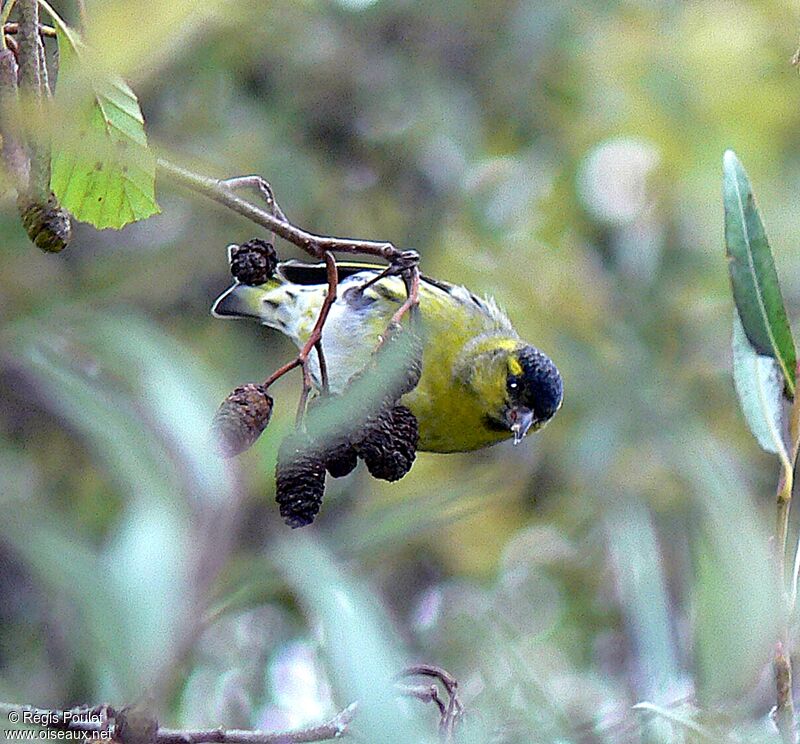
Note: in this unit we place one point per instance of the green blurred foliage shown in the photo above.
(562, 157)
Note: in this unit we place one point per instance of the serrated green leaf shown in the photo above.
(759, 385)
(754, 280)
(102, 169)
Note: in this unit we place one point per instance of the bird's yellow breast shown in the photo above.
(452, 414)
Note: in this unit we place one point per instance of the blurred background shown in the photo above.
(563, 157)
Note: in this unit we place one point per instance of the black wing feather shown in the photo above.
(310, 275)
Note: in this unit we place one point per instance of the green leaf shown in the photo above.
(759, 386)
(754, 280)
(737, 606)
(102, 169)
(359, 641)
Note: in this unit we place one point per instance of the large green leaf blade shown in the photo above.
(754, 280)
(102, 169)
(758, 383)
(359, 641)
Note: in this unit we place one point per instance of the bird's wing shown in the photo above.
(299, 272)
(309, 275)
(305, 274)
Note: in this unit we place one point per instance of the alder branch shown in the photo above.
(333, 729)
(34, 90)
(134, 725)
(222, 191)
(126, 727)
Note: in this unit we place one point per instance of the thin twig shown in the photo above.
(262, 186)
(94, 720)
(315, 339)
(449, 682)
(333, 729)
(314, 245)
(412, 300)
(281, 371)
(452, 713)
(783, 714)
(323, 368)
(426, 694)
(264, 189)
(33, 91)
(13, 28)
(388, 271)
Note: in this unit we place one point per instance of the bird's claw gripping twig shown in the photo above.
(408, 259)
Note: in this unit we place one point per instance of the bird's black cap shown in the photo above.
(540, 387)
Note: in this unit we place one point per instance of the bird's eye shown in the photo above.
(513, 385)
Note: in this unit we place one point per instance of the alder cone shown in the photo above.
(240, 419)
(336, 450)
(389, 444)
(341, 459)
(253, 262)
(299, 481)
(48, 225)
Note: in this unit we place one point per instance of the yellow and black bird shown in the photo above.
(480, 382)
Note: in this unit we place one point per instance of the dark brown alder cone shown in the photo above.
(253, 262)
(299, 481)
(134, 725)
(382, 433)
(341, 459)
(47, 224)
(240, 419)
(336, 449)
(389, 443)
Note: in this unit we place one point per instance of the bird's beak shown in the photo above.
(239, 301)
(519, 421)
